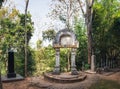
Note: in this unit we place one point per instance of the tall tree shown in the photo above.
(80, 32)
(65, 10)
(21, 51)
(26, 8)
(88, 15)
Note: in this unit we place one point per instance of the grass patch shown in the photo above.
(105, 84)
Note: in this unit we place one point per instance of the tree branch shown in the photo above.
(81, 7)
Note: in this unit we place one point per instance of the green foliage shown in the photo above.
(64, 59)
(12, 34)
(80, 31)
(45, 59)
(105, 29)
(8, 36)
(19, 62)
(21, 34)
(48, 34)
(31, 62)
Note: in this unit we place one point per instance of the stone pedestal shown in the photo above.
(73, 65)
(93, 63)
(57, 64)
(11, 72)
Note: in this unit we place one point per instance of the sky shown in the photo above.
(39, 10)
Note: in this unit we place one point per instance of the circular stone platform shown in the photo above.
(64, 77)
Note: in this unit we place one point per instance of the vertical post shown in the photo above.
(57, 64)
(93, 63)
(11, 72)
(73, 65)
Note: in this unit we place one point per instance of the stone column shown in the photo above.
(93, 63)
(73, 65)
(11, 72)
(57, 64)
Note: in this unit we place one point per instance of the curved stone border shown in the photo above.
(58, 79)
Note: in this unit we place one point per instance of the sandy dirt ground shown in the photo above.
(40, 83)
(112, 76)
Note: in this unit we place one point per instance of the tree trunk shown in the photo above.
(0, 79)
(89, 43)
(26, 43)
(88, 21)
